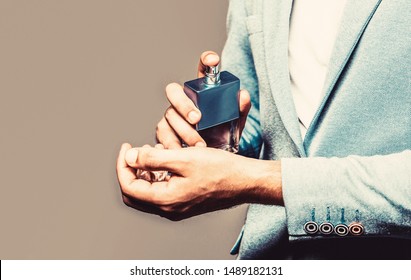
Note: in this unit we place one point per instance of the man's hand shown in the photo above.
(180, 118)
(203, 180)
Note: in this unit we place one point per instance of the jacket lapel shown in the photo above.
(356, 16)
(276, 21)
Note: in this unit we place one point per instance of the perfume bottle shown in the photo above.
(216, 96)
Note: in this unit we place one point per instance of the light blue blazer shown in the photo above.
(354, 165)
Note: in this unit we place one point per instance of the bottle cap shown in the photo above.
(212, 75)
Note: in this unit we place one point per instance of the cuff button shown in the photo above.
(326, 228)
(341, 230)
(356, 229)
(311, 227)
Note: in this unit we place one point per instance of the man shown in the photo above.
(330, 120)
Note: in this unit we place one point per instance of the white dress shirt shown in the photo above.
(313, 29)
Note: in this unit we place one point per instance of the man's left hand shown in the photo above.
(202, 180)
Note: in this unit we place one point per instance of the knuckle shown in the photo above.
(162, 200)
(147, 158)
(158, 135)
(170, 207)
(126, 201)
(122, 189)
(162, 124)
(191, 137)
(169, 113)
(126, 193)
(165, 134)
(161, 127)
(171, 214)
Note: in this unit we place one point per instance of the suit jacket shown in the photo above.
(354, 166)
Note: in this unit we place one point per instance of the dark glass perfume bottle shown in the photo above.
(216, 96)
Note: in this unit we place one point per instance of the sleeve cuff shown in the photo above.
(348, 196)
(312, 207)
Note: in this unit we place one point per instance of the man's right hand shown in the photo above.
(178, 123)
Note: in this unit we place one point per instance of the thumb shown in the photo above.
(208, 58)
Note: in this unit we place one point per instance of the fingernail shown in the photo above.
(193, 116)
(200, 144)
(131, 156)
(210, 56)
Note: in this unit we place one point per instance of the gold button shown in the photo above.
(356, 229)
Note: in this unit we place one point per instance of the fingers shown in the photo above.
(245, 106)
(137, 189)
(173, 127)
(159, 146)
(208, 58)
(244, 102)
(153, 159)
(178, 120)
(143, 192)
(140, 205)
(182, 114)
(156, 205)
(182, 128)
(125, 173)
(166, 135)
(182, 104)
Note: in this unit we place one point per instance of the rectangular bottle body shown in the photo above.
(219, 109)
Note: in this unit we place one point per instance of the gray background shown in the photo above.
(78, 78)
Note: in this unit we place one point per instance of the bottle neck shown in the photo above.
(212, 75)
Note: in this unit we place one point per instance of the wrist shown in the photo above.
(263, 182)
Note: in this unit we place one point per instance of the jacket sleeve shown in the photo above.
(237, 59)
(374, 195)
(353, 195)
